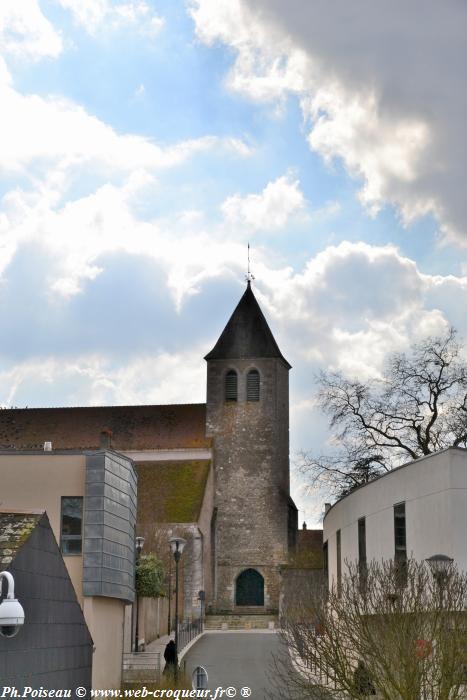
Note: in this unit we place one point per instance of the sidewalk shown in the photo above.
(158, 645)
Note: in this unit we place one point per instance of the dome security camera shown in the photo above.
(11, 610)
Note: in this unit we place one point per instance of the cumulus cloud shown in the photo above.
(269, 210)
(44, 131)
(327, 315)
(378, 92)
(26, 32)
(93, 381)
(95, 15)
(50, 143)
(79, 234)
(354, 303)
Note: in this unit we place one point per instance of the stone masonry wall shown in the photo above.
(251, 457)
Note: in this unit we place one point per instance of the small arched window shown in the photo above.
(252, 385)
(231, 385)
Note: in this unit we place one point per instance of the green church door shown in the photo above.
(250, 588)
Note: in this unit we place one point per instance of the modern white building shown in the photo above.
(416, 510)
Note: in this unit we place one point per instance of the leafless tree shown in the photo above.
(376, 638)
(418, 407)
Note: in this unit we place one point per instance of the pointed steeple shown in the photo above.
(247, 334)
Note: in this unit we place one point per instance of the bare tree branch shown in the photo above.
(417, 408)
(374, 637)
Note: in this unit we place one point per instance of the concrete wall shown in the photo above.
(106, 618)
(54, 648)
(153, 618)
(152, 624)
(108, 482)
(38, 481)
(251, 457)
(109, 526)
(434, 490)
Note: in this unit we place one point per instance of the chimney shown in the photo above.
(304, 526)
(47, 446)
(326, 507)
(106, 439)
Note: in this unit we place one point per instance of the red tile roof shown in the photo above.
(131, 427)
(310, 539)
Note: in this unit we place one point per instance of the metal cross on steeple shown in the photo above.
(249, 276)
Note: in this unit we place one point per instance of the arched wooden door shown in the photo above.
(249, 589)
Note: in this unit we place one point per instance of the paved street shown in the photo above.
(237, 659)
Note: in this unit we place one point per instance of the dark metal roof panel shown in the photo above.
(247, 334)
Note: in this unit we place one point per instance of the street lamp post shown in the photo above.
(439, 565)
(169, 616)
(139, 547)
(177, 545)
(202, 599)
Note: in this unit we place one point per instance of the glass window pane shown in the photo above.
(400, 544)
(72, 546)
(362, 541)
(71, 524)
(339, 562)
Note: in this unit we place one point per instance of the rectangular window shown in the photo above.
(326, 565)
(362, 550)
(71, 524)
(339, 562)
(400, 544)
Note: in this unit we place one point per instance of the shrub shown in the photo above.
(149, 576)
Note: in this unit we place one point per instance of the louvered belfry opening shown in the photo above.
(231, 385)
(252, 385)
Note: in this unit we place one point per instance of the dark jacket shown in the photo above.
(170, 654)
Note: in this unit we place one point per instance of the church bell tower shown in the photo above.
(255, 520)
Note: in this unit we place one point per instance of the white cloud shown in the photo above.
(96, 15)
(51, 142)
(140, 90)
(377, 91)
(26, 32)
(92, 381)
(45, 131)
(269, 210)
(266, 63)
(354, 303)
(104, 222)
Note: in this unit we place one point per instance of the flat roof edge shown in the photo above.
(401, 466)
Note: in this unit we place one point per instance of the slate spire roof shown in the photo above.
(247, 334)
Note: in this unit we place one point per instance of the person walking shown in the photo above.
(171, 658)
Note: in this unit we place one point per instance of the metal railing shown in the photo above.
(141, 665)
(188, 631)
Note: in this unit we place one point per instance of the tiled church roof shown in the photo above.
(130, 427)
(246, 334)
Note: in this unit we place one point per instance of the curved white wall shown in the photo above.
(434, 490)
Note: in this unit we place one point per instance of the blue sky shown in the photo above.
(144, 143)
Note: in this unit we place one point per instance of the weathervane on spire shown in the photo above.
(249, 276)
